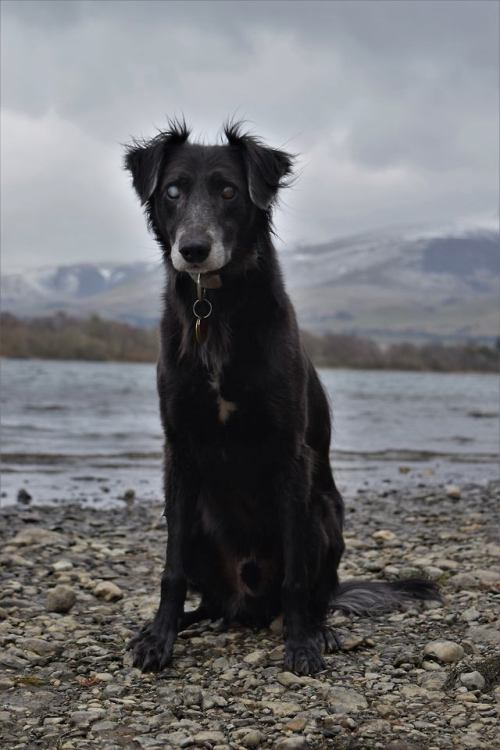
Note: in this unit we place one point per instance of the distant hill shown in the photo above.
(389, 285)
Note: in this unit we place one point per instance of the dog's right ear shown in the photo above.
(145, 159)
(144, 163)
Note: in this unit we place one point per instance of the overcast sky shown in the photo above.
(393, 107)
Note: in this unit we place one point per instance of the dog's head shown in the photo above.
(207, 204)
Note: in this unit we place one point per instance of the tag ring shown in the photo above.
(196, 313)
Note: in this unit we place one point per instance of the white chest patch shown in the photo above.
(225, 408)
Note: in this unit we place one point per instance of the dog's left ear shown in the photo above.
(267, 168)
(145, 159)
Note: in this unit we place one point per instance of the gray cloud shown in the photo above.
(392, 105)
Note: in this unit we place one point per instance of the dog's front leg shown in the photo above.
(153, 645)
(302, 648)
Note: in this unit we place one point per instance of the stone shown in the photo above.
(34, 535)
(40, 646)
(351, 642)
(12, 661)
(470, 614)
(60, 599)
(104, 676)
(108, 591)
(488, 579)
(296, 725)
(24, 497)
(384, 535)
(463, 581)
(253, 738)
(276, 653)
(484, 634)
(61, 566)
(282, 708)
(473, 680)
(85, 718)
(103, 726)
(458, 722)
(256, 658)
(192, 696)
(114, 691)
(433, 572)
(15, 561)
(453, 491)
(412, 691)
(433, 680)
(291, 743)
(288, 679)
(343, 700)
(446, 652)
(208, 735)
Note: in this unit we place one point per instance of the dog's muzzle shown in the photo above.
(196, 252)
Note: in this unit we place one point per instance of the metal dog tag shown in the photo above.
(201, 330)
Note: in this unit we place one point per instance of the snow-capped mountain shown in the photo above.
(387, 284)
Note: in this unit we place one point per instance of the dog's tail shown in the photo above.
(377, 597)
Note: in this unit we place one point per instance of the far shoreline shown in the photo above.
(61, 337)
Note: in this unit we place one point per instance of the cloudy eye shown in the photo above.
(173, 191)
(228, 193)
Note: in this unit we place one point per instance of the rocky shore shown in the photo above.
(77, 582)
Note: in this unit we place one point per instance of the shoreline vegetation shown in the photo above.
(64, 337)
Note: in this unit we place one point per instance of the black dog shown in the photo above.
(254, 517)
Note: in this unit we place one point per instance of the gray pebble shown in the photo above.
(343, 700)
(444, 651)
(473, 680)
(60, 599)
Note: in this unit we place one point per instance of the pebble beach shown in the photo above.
(76, 582)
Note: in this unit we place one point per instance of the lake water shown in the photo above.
(89, 431)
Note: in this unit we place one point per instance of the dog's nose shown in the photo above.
(195, 252)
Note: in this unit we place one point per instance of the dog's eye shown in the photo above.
(228, 192)
(173, 192)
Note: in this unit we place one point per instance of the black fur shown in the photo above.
(254, 517)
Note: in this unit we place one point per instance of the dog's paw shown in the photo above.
(152, 648)
(328, 640)
(303, 657)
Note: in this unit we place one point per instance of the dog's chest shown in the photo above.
(225, 408)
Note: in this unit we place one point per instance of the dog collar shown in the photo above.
(207, 280)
